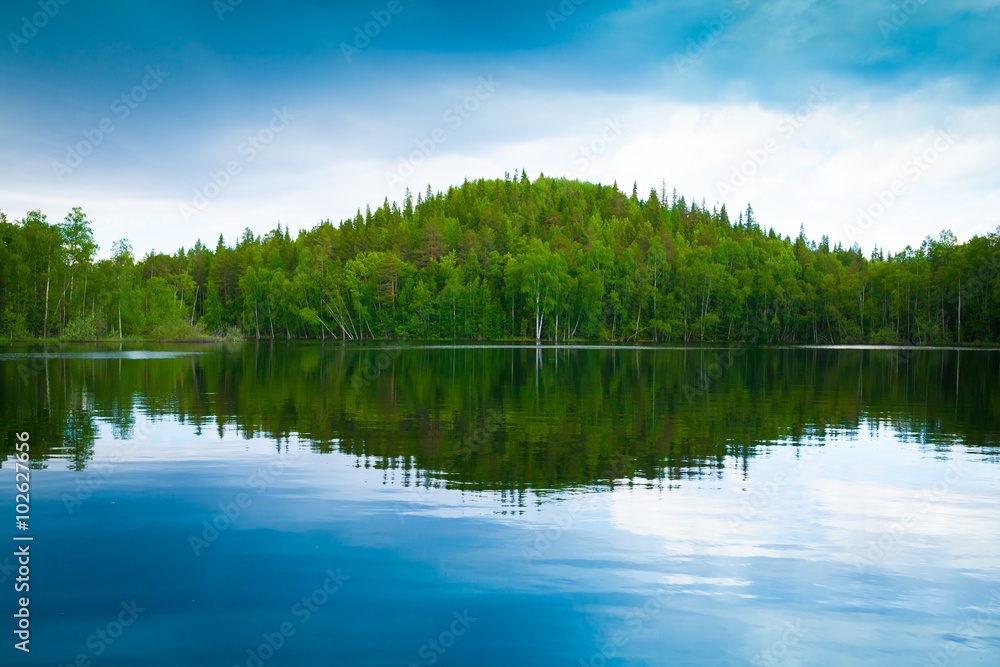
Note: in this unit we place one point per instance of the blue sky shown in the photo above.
(870, 122)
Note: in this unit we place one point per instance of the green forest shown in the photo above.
(506, 259)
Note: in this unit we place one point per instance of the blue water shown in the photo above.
(856, 547)
(646, 574)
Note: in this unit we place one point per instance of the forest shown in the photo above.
(548, 260)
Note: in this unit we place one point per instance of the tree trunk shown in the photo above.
(48, 280)
(538, 313)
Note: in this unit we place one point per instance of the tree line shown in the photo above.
(545, 260)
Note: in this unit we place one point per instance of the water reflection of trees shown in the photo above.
(514, 417)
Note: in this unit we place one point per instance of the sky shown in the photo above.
(869, 122)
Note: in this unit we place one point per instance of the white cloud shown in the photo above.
(329, 164)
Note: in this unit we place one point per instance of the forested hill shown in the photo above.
(505, 259)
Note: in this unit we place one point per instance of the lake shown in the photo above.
(308, 504)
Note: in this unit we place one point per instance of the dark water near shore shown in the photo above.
(301, 504)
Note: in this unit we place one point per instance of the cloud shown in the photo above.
(816, 163)
(561, 87)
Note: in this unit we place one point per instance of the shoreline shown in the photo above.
(383, 343)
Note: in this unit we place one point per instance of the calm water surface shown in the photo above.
(301, 504)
